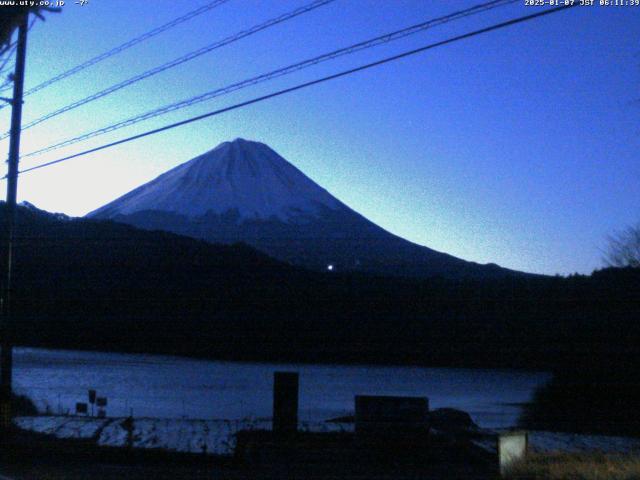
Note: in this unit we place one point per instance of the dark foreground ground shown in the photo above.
(162, 472)
(35, 457)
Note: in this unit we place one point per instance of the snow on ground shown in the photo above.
(556, 442)
(63, 427)
(194, 436)
(218, 436)
(545, 442)
(113, 434)
(180, 435)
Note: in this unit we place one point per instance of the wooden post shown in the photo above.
(285, 402)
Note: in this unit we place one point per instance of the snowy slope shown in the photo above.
(248, 177)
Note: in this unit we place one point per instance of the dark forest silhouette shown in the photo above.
(86, 284)
(93, 284)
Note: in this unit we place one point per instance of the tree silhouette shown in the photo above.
(623, 249)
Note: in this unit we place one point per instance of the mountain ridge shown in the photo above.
(243, 191)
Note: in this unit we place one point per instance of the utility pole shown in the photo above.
(6, 325)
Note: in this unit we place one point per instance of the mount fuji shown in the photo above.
(243, 191)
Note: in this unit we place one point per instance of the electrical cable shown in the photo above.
(308, 84)
(125, 46)
(174, 63)
(382, 39)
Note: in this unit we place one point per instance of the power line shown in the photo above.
(126, 45)
(8, 81)
(178, 61)
(307, 84)
(11, 46)
(382, 39)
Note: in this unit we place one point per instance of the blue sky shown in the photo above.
(518, 147)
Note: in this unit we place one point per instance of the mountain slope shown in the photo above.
(244, 191)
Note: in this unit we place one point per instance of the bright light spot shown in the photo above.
(330, 267)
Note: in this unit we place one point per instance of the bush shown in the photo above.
(585, 403)
(23, 406)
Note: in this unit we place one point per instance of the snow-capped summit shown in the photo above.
(243, 191)
(242, 176)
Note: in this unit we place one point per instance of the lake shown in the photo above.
(174, 387)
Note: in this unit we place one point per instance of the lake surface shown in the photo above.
(173, 387)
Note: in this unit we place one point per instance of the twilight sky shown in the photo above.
(518, 147)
